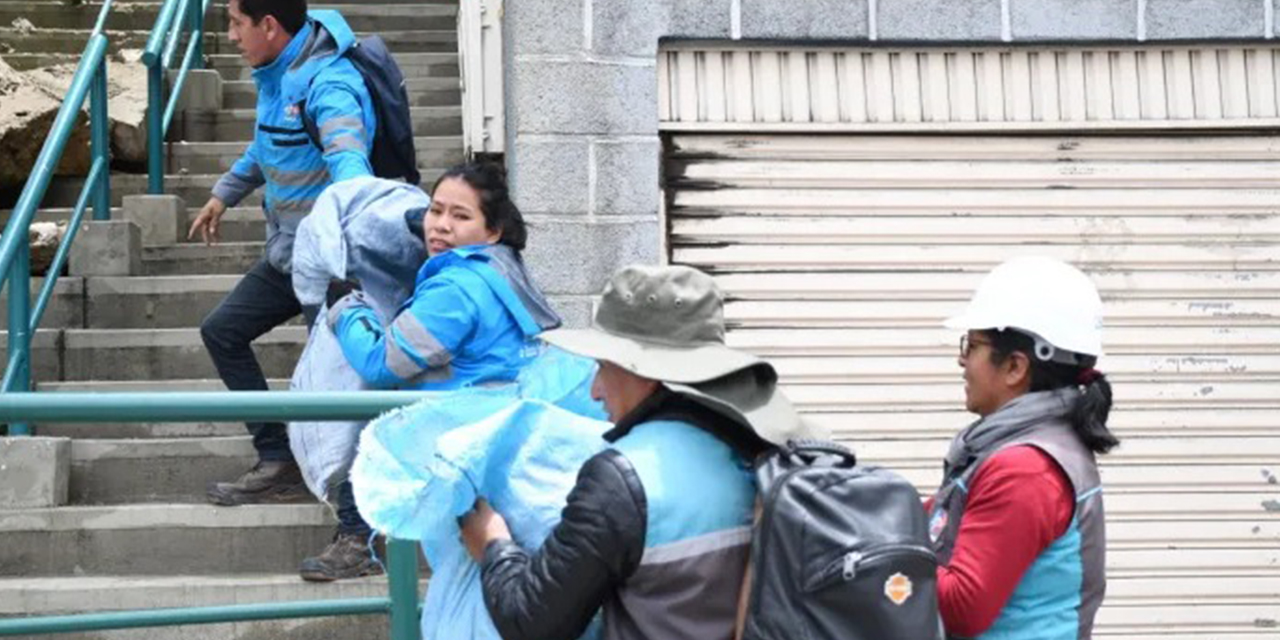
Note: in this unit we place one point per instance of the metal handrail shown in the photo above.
(401, 602)
(89, 81)
(177, 18)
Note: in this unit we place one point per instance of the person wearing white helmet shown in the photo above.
(1018, 522)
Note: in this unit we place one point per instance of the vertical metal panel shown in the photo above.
(833, 88)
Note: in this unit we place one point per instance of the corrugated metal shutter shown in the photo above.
(842, 253)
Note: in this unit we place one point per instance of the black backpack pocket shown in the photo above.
(884, 587)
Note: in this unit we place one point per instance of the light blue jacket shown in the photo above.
(311, 68)
(474, 318)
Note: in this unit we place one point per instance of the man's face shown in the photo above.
(255, 41)
(620, 390)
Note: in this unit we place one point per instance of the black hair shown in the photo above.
(1089, 416)
(500, 213)
(291, 14)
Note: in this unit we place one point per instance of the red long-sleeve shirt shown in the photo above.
(1019, 502)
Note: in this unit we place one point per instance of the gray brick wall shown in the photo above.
(581, 94)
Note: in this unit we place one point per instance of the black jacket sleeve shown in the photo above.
(553, 593)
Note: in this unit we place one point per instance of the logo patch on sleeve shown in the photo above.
(937, 524)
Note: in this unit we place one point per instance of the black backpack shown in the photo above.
(839, 552)
(393, 155)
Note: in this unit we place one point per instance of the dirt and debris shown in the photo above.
(22, 25)
(27, 111)
(45, 238)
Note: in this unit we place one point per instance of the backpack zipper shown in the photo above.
(855, 560)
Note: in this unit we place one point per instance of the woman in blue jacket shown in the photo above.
(474, 318)
(475, 313)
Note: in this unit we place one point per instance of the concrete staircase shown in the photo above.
(137, 532)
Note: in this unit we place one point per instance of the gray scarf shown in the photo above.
(1012, 421)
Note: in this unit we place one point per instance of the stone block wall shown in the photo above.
(581, 94)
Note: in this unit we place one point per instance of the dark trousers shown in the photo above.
(260, 302)
(349, 520)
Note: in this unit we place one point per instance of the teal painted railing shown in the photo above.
(90, 81)
(401, 602)
(177, 19)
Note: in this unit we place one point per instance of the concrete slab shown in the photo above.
(161, 219)
(159, 302)
(112, 471)
(161, 539)
(202, 90)
(110, 248)
(46, 353)
(66, 307)
(193, 258)
(34, 472)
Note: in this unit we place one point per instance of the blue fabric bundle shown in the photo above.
(519, 446)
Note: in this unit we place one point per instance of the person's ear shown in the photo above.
(271, 27)
(1016, 371)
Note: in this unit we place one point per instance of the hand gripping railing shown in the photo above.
(177, 18)
(15, 252)
(401, 603)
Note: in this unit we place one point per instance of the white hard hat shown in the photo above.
(1049, 299)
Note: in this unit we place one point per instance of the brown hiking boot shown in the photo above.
(268, 482)
(348, 556)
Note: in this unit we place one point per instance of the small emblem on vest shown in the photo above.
(937, 524)
(897, 588)
(291, 111)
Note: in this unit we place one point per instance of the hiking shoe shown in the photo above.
(348, 556)
(268, 482)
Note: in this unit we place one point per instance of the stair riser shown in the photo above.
(216, 127)
(151, 310)
(66, 42)
(432, 156)
(126, 430)
(58, 16)
(237, 263)
(194, 189)
(133, 480)
(235, 70)
(165, 362)
(437, 41)
(46, 361)
(167, 549)
(374, 627)
(240, 95)
(64, 310)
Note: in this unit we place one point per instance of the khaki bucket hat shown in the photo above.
(662, 323)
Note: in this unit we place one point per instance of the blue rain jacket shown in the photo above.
(519, 445)
(473, 319)
(311, 68)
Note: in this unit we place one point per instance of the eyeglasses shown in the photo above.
(967, 345)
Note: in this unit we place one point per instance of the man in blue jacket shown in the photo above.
(298, 64)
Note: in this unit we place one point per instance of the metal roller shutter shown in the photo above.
(841, 254)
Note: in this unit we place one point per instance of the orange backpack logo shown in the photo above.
(897, 588)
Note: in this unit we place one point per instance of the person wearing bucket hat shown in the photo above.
(658, 526)
(1018, 522)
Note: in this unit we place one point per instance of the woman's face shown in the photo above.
(988, 386)
(455, 218)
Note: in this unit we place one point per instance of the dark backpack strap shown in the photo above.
(309, 125)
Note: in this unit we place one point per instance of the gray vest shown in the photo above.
(1038, 420)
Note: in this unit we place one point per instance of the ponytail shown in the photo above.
(1089, 416)
(1092, 409)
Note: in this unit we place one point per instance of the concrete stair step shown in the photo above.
(423, 92)
(197, 259)
(398, 40)
(122, 471)
(46, 353)
(158, 354)
(127, 430)
(231, 125)
(66, 307)
(412, 65)
(141, 16)
(193, 189)
(16, 42)
(153, 302)
(28, 596)
(161, 539)
(217, 157)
